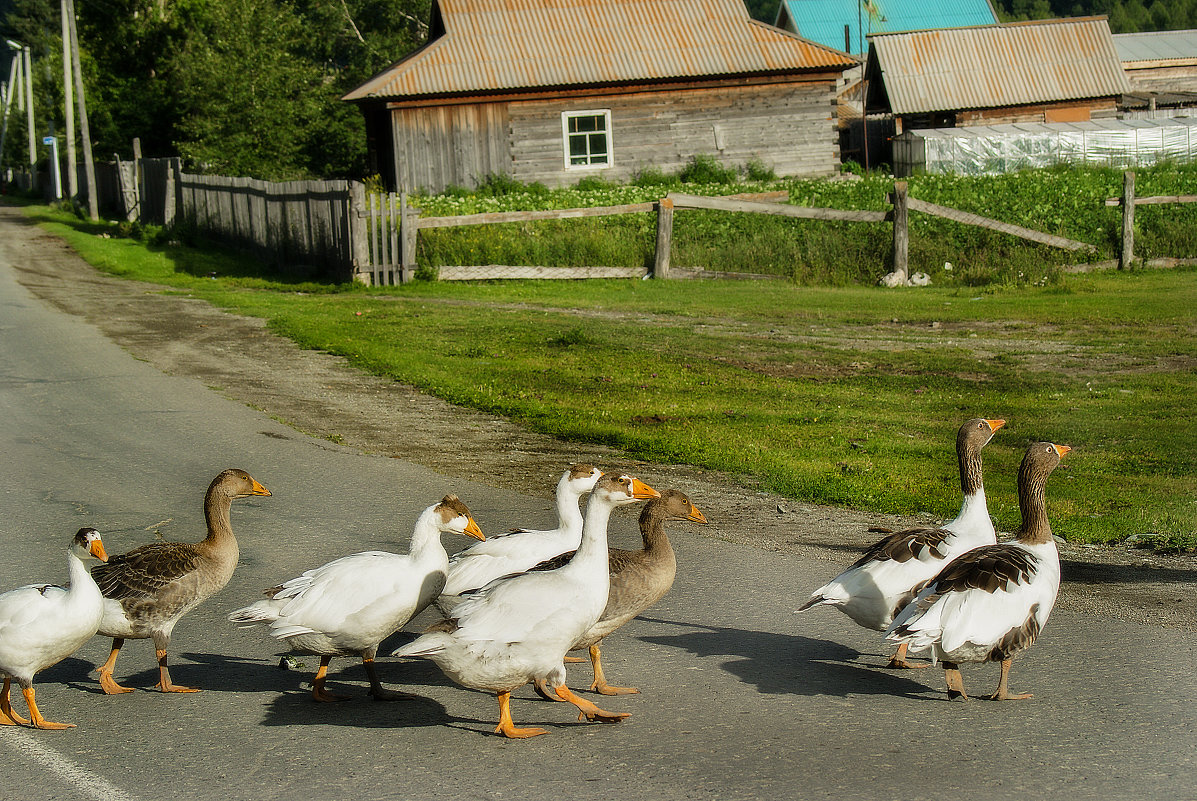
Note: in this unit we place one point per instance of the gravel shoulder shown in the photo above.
(323, 396)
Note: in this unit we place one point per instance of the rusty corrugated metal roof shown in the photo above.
(508, 45)
(990, 66)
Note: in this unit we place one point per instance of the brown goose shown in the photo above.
(991, 603)
(148, 589)
(638, 580)
(875, 587)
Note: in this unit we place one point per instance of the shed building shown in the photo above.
(1063, 70)
(557, 90)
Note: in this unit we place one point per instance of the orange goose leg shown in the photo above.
(318, 691)
(38, 720)
(107, 683)
(589, 710)
(8, 716)
(898, 660)
(1003, 691)
(951, 672)
(164, 683)
(600, 684)
(506, 725)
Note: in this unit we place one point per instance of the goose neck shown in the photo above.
(426, 536)
(1032, 503)
(594, 532)
(216, 513)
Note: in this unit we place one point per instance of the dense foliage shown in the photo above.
(246, 88)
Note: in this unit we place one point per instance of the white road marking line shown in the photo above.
(81, 779)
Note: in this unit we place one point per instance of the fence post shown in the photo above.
(407, 240)
(1128, 221)
(901, 231)
(359, 246)
(168, 211)
(664, 237)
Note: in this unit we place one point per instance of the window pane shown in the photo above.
(598, 144)
(577, 147)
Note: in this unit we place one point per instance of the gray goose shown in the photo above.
(148, 589)
(885, 579)
(639, 578)
(991, 603)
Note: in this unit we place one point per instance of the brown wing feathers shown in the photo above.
(143, 571)
(913, 543)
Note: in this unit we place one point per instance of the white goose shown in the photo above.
(876, 586)
(991, 603)
(350, 605)
(518, 629)
(520, 550)
(42, 624)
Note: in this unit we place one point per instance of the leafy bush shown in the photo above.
(705, 169)
(757, 170)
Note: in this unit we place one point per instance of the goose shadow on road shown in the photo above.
(791, 664)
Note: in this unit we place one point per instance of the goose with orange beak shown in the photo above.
(518, 629)
(873, 589)
(42, 624)
(350, 605)
(991, 603)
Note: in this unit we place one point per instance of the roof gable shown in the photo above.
(990, 66)
(823, 21)
(510, 45)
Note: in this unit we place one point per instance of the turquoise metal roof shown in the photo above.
(823, 21)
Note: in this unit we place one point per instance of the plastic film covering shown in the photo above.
(997, 149)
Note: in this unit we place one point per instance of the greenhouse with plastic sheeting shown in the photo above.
(992, 149)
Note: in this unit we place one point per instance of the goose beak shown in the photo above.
(695, 515)
(258, 488)
(642, 491)
(1061, 450)
(994, 425)
(472, 530)
(96, 549)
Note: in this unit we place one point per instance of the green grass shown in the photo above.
(841, 395)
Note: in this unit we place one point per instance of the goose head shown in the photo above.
(581, 478)
(87, 543)
(235, 483)
(976, 433)
(452, 516)
(622, 490)
(676, 506)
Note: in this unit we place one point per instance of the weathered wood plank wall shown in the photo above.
(439, 146)
(789, 127)
(302, 226)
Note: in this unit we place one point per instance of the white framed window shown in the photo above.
(587, 139)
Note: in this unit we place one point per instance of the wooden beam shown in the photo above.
(1155, 200)
(684, 201)
(1006, 228)
(1127, 259)
(525, 216)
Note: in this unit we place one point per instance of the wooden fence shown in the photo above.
(392, 220)
(335, 229)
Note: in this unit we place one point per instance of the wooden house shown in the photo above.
(1064, 70)
(557, 90)
(1162, 69)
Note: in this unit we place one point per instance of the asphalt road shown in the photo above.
(741, 697)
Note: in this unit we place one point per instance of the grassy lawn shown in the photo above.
(841, 395)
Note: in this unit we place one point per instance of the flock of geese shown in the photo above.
(513, 606)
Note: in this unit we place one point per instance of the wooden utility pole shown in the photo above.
(68, 83)
(28, 73)
(89, 165)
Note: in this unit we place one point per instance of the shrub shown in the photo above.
(705, 169)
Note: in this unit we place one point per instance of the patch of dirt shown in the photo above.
(323, 396)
